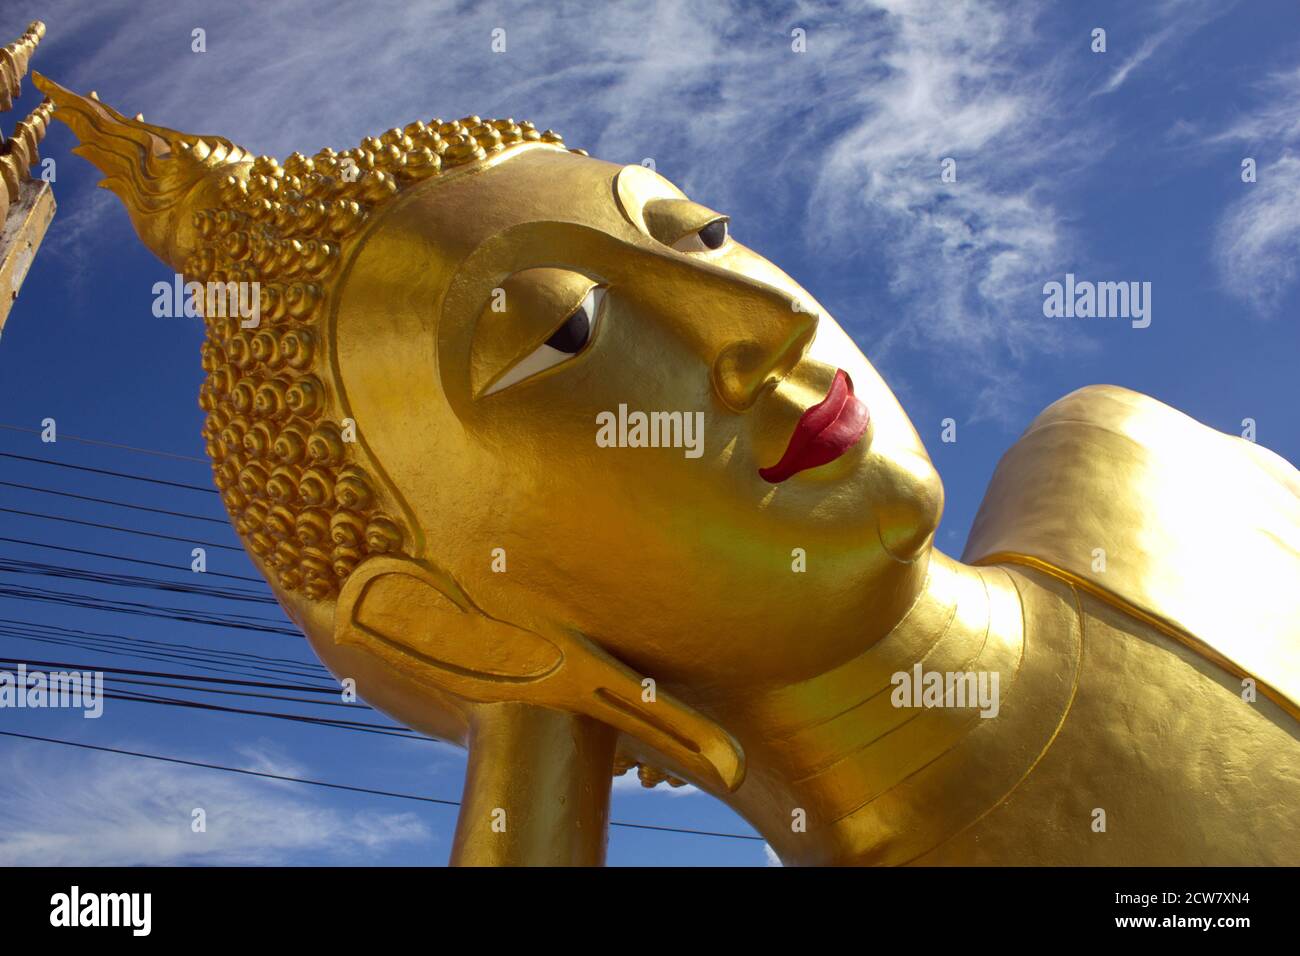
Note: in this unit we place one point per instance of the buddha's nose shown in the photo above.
(748, 332)
(772, 345)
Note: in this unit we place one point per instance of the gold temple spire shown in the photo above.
(14, 58)
(18, 154)
(26, 204)
(18, 151)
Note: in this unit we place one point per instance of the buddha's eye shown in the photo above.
(565, 342)
(712, 236)
(682, 224)
(576, 330)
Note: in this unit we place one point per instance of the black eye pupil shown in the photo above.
(573, 334)
(714, 234)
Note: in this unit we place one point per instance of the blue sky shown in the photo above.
(1122, 165)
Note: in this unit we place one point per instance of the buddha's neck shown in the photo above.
(878, 783)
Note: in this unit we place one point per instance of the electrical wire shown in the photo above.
(118, 557)
(141, 697)
(117, 675)
(105, 471)
(355, 725)
(110, 527)
(348, 787)
(119, 504)
(199, 649)
(196, 678)
(242, 621)
(117, 645)
(109, 444)
(62, 571)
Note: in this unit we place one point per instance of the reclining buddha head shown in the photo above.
(518, 423)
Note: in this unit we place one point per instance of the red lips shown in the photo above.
(825, 431)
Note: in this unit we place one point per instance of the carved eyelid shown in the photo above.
(536, 302)
(658, 208)
(636, 187)
(670, 220)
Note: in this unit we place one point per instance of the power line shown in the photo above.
(119, 504)
(196, 678)
(354, 725)
(213, 660)
(344, 786)
(118, 557)
(113, 604)
(110, 527)
(105, 471)
(225, 692)
(61, 571)
(182, 615)
(139, 697)
(200, 649)
(214, 766)
(124, 676)
(215, 666)
(109, 444)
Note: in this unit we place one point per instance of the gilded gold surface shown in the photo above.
(1180, 519)
(489, 574)
(26, 203)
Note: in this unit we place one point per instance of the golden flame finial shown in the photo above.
(162, 176)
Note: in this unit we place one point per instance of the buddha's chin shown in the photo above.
(908, 504)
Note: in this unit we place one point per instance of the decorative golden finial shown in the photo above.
(162, 177)
(14, 58)
(18, 153)
(26, 206)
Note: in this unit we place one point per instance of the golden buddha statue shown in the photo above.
(407, 439)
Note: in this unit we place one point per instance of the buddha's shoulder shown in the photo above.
(1180, 525)
(1160, 428)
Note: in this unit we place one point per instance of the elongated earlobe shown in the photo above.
(418, 619)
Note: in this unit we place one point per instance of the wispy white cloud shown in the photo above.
(1164, 23)
(1257, 239)
(630, 783)
(60, 809)
(966, 82)
(78, 230)
(1276, 119)
(770, 857)
(1148, 47)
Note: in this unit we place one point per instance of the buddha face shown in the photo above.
(499, 337)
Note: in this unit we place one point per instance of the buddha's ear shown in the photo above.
(417, 619)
